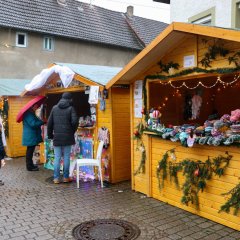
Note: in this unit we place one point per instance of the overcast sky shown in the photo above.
(142, 8)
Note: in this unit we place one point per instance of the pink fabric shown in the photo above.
(235, 115)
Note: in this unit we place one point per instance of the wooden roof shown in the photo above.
(165, 41)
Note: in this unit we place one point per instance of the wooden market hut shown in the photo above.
(11, 103)
(183, 59)
(115, 117)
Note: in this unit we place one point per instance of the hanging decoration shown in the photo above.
(212, 53)
(162, 168)
(4, 114)
(200, 84)
(196, 173)
(233, 201)
(235, 59)
(140, 147)
(169, 67)
(192, 70)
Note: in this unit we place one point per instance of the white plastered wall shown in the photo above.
(182, 10)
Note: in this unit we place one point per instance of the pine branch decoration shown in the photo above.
(196, 173)
(140, 147)
(233, 201)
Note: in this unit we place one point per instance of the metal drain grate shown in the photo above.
(106, 229)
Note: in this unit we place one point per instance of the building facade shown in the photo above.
(221, 13)
(34, 34)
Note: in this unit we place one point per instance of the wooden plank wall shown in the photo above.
(14, 146)
(104, 119)
(210, 199)
(121, 134)
(197, 46)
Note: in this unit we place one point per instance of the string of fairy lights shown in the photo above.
(219, 80)
(177, 92)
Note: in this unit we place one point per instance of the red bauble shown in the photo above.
(197, 172)
(136, 133)
(143, 111)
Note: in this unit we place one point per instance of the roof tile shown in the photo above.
(79, 21)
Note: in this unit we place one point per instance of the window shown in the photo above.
(206, 18)
(21, 39)
(237, 15)
(48, 43)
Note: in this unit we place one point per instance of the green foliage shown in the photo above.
(139, 131)
(193, 70)
(141, 167)
(140, 147)
(162, 167)
(235, 59)
(174, 168)
(165, 67)
(233, 201)
(196, 173)
(213, 51)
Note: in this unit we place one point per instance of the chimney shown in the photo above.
(130, 11)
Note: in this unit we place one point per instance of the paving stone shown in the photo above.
(37, 210)
(213, 236)
(185, 233)
(205, 225)
(175, 237)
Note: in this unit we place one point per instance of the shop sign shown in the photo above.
(138, 86)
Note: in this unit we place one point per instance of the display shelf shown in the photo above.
(87, 128)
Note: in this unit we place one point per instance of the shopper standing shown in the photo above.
(2, 148)
(32, 135)
(62, 124)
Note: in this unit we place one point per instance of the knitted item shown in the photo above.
(231, 139)
(210, 140)
(235, 115)
(203, 140)
(225, 118)
(217, 140)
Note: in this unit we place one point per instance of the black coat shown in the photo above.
(62, 123)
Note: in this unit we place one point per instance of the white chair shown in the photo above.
(92, 162)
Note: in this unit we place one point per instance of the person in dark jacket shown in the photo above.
(2, 151)
(32, 135)
(62, 125)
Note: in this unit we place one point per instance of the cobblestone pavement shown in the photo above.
(32, 208)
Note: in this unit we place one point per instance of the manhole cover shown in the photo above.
(106, 229)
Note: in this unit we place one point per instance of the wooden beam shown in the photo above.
(216, 32)
(143, 53)
(87, 81)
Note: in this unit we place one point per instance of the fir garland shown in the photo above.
(196, 174)
(165, 67)
(193, 70)
(235, 59)
(162, 167)
(233, 201)
(211, 54)
(173, 172)
(140, 147)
